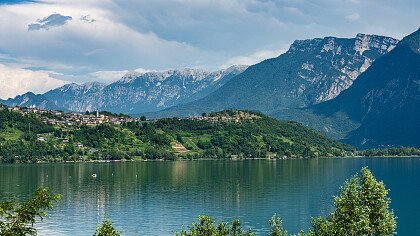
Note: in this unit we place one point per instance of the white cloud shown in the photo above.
(107, 76)
(142, 70)
(254, 57)
(15, 81)
(102, 44)
(105, 38)
(353, 17)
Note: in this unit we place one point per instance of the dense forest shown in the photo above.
(227, 134)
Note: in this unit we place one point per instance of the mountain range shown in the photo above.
(310, 72)
(363, 90)
(133, 93)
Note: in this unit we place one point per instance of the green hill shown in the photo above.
(227, 134)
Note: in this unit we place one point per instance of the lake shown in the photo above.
(159, 198)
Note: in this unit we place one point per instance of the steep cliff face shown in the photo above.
(310, 72)
(381, 108)
(337, 62)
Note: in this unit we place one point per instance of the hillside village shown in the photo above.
(72, 118)
(55, 117)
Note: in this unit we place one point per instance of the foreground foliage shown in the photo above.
(18, 218)
(206, 226)
(106, 229)
(362, 208)
(276, 225)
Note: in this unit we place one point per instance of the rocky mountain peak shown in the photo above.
(81, 87)
(360, 44)
(159, 76)
(346, 58)
(235, 68)
(30, 99)
(304, 45)
(193, 74)
(129, 77)
(364, 42)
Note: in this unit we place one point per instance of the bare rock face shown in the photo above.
(75, 97)
(142, 92)
(338, 62)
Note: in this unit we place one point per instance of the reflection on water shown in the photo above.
(158, 198)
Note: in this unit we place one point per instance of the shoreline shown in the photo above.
(203, 159)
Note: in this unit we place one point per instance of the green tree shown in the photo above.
(362, 208)
(17, 219)
(206, 227)
(142, 118)
(106, 229)
(276, 225)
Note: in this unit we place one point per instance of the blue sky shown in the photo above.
(51, 42)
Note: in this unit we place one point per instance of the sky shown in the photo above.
(48, 43)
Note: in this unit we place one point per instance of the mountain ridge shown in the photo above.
(310, 72)
(30, 99)
(141, 92)
(381, 108)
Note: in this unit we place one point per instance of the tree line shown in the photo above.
(27, 139)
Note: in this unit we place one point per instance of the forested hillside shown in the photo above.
(227, 134)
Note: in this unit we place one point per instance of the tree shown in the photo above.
(142, 118)
(106, 229)
(18, 219)
(276, 226)
(362, 208)
(206, 227)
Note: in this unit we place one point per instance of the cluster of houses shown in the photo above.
(71, 118)
(95, 118)
(215, 119)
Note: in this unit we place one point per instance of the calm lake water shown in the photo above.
(159, 198)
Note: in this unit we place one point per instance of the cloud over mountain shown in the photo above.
(15, 81)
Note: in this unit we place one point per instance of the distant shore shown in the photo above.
(211, 159)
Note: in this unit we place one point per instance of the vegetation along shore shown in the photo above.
(32, 135)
